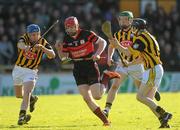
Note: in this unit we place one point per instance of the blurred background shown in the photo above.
(163, 22)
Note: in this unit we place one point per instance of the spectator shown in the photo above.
(6, 51)
(15, 17)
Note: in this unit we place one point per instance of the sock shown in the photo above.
(160, 110)
(31, 98)
(22, 113)
(101, 116)
(108, 106)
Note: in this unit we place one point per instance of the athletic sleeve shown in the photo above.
(93, 37)
(22, 40)
(64, 46)
(48, 46)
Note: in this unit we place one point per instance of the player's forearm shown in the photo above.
(110, 52)
(62, 55)
(49, 52)
(124, 50)
(101, 46)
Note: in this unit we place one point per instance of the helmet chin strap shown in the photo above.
(127, 27)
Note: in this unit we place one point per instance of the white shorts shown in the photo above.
(135, 71)
(153, 76)
(21, 75)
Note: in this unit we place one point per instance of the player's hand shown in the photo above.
(126, 63)
(114, 42)
(110, 62)
(58, 45)
(27, 48)
(96, 57)
(38, 47)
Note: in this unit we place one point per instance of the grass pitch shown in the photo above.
(69, 112)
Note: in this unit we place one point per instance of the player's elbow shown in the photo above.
(102, 42)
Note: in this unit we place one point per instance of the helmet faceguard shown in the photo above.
(71, 25)
(33, 32)
(138, 24)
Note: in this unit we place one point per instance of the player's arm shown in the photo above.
(101, 46)
(21, 45)
(61, 51)
(136, 49)
(110, 54)
(115, 43)
(47, 49)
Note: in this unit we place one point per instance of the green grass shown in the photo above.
(66, 112)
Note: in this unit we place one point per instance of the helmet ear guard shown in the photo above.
(139, 23)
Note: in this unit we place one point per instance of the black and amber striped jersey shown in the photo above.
(149, 48)
(82, 46)
(31, 58)
(126, 39)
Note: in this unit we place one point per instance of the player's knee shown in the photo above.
(115, 87)
(97, 97)
(139, 97)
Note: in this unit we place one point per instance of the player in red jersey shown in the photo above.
(79, 44)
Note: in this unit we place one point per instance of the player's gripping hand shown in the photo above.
(114, 43)
(58, 45)
(27, 48)
(96, 57)
(38, 47)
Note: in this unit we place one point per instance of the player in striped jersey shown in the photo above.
(148, 48)
(25, 70)
(126, 38)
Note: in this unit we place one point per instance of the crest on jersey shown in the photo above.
(126, 43)
(29, 55)
(75, 43)
(135, 46)
(82, 41)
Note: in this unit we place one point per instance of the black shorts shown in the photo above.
(86, 72)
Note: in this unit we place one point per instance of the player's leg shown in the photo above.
(113, 92)
(93, 80)
(94, 107)
(83, 81)
(136, 71)
(18, 91)
(17, 79)
(97, 90)
(107, 76)
(156, 95)
(18, 75)
(147, 90)
(28, 88)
